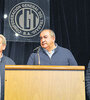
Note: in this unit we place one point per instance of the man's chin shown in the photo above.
(44, 47)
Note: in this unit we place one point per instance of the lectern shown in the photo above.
(29, 82)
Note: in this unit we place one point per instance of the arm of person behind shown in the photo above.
(87, 79)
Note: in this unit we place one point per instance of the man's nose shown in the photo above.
(43, 39)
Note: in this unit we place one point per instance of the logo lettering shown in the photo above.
(26, 19)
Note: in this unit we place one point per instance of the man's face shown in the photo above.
(2, 46)
(46, 40)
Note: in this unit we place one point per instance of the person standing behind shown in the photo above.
(4, 60)
(49, 53)
(87, 81)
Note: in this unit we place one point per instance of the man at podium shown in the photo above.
(49, 53)
(4, 60)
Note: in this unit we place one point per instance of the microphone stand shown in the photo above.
(38, 49)
(38, 56)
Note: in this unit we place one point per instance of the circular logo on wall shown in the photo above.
(26, 19)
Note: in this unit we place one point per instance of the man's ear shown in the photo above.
(54, 39)
(4, 46)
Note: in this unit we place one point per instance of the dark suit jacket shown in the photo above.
(4, 61)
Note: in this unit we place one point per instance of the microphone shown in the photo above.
(38, 49)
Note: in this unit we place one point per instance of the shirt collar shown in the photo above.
(52, 51)
(1, 57)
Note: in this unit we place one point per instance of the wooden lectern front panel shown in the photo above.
(44, 85)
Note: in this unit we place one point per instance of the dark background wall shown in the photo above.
(70, 21)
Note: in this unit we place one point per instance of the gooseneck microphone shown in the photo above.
(38, 49)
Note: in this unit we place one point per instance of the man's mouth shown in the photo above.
(43, 43)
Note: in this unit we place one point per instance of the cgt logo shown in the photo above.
(26, 19)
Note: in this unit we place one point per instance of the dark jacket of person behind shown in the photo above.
(4, 60)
